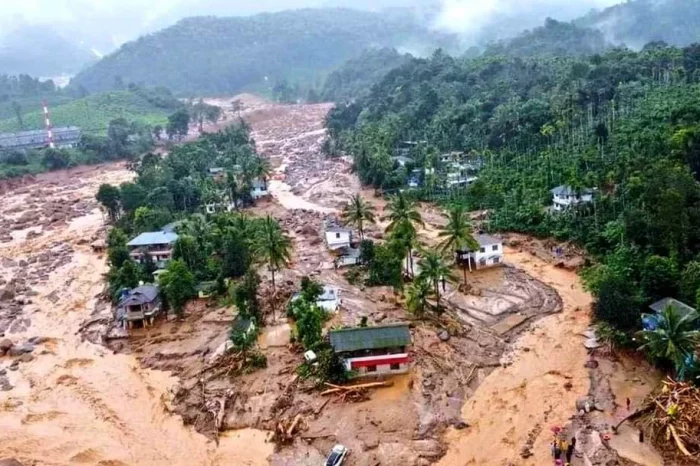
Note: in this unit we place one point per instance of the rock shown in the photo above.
(429, 448)
(591, 364)
(8, 294)
(5, 385)
(380, 317)
(10, 462)
(26, 358)
(525, 452)
(568, 385)
(5, 345)
(585, 404)
(37, 340)
(3, 372)
(444, 335)
(19, 350)
(370, 444)
(461, 425)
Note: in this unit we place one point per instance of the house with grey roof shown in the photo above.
(489, 253)
(347, 256)
(142, 304)
(565, 196)
(329, 300)
(368, 351)
(158, 245)
(63, 137)
(337, 237)
(650, 321)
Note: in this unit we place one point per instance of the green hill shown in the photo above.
(635, 23)
(208, 55)
(94, 112)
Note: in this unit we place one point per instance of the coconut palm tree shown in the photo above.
(674, 339)
(356, 212)
(274, 247)
(433, 270)
(402, 211)
(457, 234)
(403, 219)
(417, 296)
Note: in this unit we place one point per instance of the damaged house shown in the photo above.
(369, 351)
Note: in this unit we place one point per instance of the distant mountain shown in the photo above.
(208, 55)
(554, 39)
(40, 51)
(635, 23)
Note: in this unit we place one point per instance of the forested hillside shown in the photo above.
(638, 22)
(356, 76)
(625, 124)
(208, 55)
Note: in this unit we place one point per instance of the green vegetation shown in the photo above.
(623, 124)
(356, 76)
(213, 249)
(92, 113)
(357, 212)
(209, 55)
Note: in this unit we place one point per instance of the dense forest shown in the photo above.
(355, 77)
(635, 23)
(624, 124)
(210, 55)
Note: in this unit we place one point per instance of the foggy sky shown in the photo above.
(106, 24)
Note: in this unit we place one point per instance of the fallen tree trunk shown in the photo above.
(349, 388)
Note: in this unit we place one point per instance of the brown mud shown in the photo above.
(504, 363)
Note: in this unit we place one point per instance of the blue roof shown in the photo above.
(153, 238)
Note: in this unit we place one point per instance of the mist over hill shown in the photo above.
(213, 55)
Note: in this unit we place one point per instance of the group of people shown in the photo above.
(562, 450)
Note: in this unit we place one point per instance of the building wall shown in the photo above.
(338, 239)
(562, 202)
(379, 365)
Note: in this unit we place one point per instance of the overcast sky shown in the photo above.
(107, 23)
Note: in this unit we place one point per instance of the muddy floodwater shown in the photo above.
(511, 366)
(76, 402)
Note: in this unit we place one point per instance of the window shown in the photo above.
(496, 260)
(495, 247)
(395, 367)
(482, 250)
(371, 368)
(337, 235)
(482, 261)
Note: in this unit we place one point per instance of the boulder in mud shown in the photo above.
(444, 335)
(26, 357)
(8, 293)
(428, 448)
(10, 462)
(5, 345)
(19, 350)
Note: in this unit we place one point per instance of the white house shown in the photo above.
(156, 244)
(347, 257)
(259, 189)
(338, 237)
(565, 196)
(490, 252)
(329, 300)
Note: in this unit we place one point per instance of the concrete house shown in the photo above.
(564, 197)
(142, 304)
(329, 300)
(338, 237)
(490, 253)
(156, 244)
(372, 351)
(259, 189)
(347, 257)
